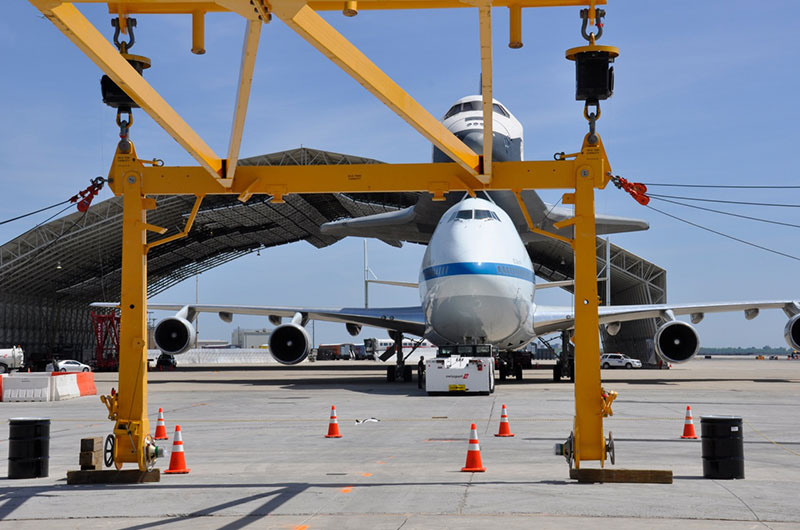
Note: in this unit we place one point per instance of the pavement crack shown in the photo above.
(405, 520)
(463, 501)
(742, 501)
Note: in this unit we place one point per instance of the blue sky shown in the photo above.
(705, 94)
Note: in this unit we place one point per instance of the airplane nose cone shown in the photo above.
(503, 147)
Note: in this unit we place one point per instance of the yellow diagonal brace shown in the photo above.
(242, 95)
(183, 233)
(79, 30)
(330, 42)
(485, 15)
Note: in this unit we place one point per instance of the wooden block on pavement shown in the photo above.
(113, 476)
(94, 443)
(635, 476)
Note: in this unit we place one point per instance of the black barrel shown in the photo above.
(28, 447)
(723, 447)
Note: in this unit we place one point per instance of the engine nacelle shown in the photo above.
(353, 329)
(676, 342)
(289, 343)
(174, 335)
(792, 332)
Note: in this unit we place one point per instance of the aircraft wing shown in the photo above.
(405, 319)
(417, 223)
(549, 319)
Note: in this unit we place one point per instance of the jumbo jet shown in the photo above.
(476, 280)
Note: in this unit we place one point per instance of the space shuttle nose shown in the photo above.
(473, 140)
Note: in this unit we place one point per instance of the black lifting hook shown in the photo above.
(123, 47)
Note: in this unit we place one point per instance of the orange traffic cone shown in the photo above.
(688, 425)
(505, 431)
(333, 425)
(474, 463)
(161, 428)
(177, 462)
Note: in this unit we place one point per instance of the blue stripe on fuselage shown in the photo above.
(485, 268)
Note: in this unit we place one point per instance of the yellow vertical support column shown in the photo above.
(588, 428)
(132, 424)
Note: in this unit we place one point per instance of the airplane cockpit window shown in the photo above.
(464, 214)
(455, 109)
(466, 107)
(500, 110)
(483, 214)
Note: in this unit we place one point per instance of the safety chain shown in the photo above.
(637, 190)
(84, 197)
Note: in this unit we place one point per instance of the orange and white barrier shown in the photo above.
(47, 386)
(64, 387)
(30, 387)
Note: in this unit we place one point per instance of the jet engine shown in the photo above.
(677, 342)
(289, 343)
(174, 335)
(792, 332)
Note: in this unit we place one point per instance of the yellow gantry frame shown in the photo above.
(135, 181)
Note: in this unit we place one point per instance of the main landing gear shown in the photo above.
(399, 370)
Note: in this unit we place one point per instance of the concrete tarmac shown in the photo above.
(254, 442)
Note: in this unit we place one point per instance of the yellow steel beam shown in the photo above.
(592, 171)
(249, 50)
(357, 178)
(242, 6)
(485, 16)
(313, 28)
(80, 31)
(132, 424)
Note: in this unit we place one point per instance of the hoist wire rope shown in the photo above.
(40, 210)
(724, 235)
(721, 201)
(770, 221)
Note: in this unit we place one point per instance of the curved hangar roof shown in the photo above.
(78, 257)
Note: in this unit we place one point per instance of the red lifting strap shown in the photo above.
(637, 190)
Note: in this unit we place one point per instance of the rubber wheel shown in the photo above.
(407, 374)
(557, 373)
(63, 370)
(606, 365)
(108, 450)
(518, 372)
(85, 369)
(391, 373)
(3, 369)
(628, 366)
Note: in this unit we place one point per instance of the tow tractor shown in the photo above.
(461, 368)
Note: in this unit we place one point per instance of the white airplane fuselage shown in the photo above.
(476, 280)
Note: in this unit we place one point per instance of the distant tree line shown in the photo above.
(750, 350)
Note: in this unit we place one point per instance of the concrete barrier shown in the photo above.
(224, 356)
(65, 386)
(2, 376)
(86, 385)
(30, 387)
